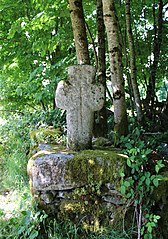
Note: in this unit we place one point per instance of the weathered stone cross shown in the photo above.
(80, 96)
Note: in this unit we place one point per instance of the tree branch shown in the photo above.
(92, 40)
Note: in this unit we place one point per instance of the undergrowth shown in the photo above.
(26, 221)
(145, 165)
(19, 218)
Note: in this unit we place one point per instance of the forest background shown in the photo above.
(36, 47)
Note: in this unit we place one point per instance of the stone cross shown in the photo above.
(80, 96)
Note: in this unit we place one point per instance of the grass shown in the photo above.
(20, 219)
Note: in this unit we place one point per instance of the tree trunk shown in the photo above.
(126, 66)
(135, 89)
(115, 56)
(100, 124)
(101, 44)
(158, 24)
(79, 31)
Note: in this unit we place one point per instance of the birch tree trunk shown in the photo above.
(115, 57)
(79, 31)
(100, 125)
(135, 89)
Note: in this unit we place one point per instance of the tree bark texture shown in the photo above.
(79, 31)
(134, 83)
(101, 44)
(115, 57)
(158, 25)
(100, 124)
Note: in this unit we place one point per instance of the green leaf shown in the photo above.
(123, 189)
(147, 181)
(21, 230)
(149, 228)
(128, 145)
(146, 236)
(155, 182)
(33, 234)
(127, 184)
(121, 172)
(133, 170)
(19, 91)
(142, 178)
(157, 168)
(156, 218)
(128, 162)
(129, 195)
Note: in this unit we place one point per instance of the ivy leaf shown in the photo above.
(122, 174)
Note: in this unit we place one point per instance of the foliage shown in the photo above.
(28, 222)
(25, 221)
(31, 33)
(33, 224)
(67, 230)
(144, 177)
(15, 147)
(16, 143)
(36, 46)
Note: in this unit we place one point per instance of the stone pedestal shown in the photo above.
(80, 96)
(79, 186)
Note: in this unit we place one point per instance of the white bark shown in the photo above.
(114, 47)
(79, 31)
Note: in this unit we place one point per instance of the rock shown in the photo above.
(101, 142)
(81, 186)
(80, 97)
(47, 171)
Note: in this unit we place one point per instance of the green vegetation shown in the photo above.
(36, 47)
(143, 180)
(23, 219)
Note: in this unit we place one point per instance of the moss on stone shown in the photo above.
(97, 165)
(92, 169)
(88, 215)
(45, 134)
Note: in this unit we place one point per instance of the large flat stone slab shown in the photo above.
(47, 171)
